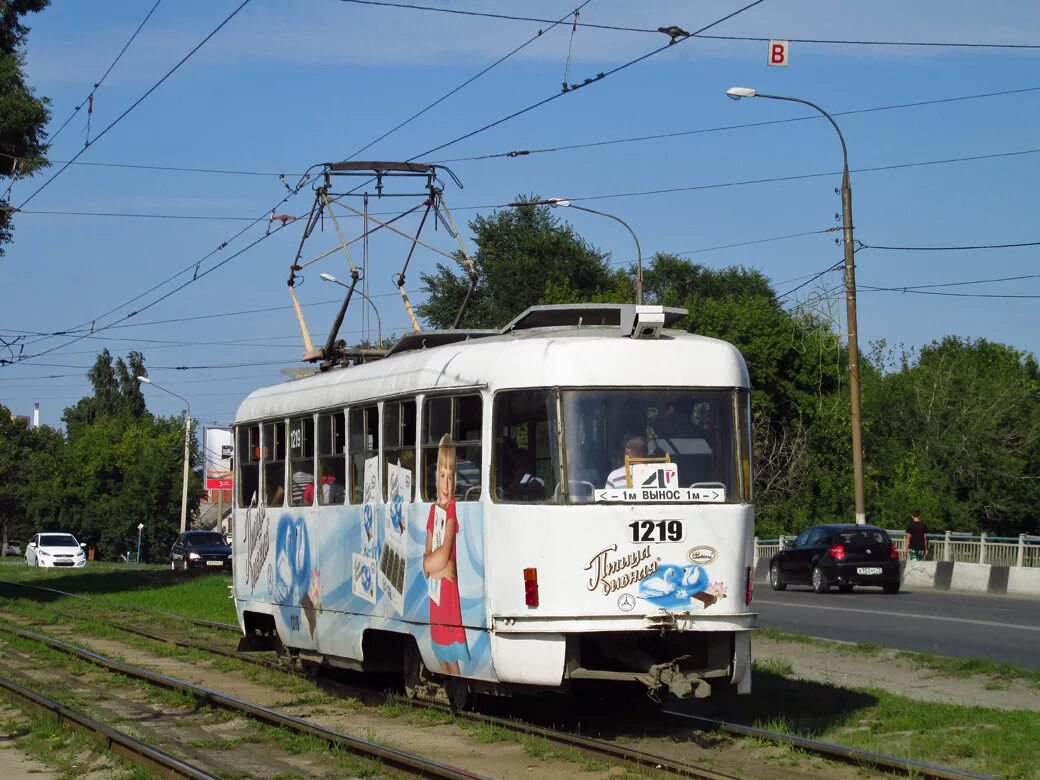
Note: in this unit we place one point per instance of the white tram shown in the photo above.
(566, 499)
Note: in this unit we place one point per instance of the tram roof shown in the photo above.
(566, 346)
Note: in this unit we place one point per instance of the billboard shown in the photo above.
(217, 443)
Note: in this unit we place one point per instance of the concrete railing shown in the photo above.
(1021, 551)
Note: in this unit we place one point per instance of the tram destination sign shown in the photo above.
(675, 495)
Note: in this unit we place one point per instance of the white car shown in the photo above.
(54, 549)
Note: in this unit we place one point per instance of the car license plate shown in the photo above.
(868, 570)
(221, 563)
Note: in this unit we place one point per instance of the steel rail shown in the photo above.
(131, 749)
(840, 752)
(638, 758)
(390, 756)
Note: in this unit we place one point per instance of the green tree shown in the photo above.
(122, 466)
(525, 256)
(957, 431)
(23, 116)
(116, 390)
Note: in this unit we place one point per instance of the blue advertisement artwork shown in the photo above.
(335, 571)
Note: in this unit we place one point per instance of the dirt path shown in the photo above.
(830, 664)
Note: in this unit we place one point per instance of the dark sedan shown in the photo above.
(200, 550)
(837, 554)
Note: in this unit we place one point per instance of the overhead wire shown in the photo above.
(90, 97)
(135, 104)
(513, 154)
(597, 78)
(622, 28)
(437, 148)
(465, 83)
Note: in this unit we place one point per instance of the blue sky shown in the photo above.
(284, 86)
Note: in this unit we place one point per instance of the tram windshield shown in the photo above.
(694, 441)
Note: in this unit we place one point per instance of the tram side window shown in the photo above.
(364, 445)
(458, 418)
(332, 468)
(398, 442)
(526, 463)
(248, 458)
(274, 463)
(301, 461)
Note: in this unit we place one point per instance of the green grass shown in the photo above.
(149, 587)
(976, 739)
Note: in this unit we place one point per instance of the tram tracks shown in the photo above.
(400, 760)
(603, 749)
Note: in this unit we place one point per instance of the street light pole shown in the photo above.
(567, 204)
(850, 296)
(187, 448)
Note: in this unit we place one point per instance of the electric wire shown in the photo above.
(134, 105)
(658, 31)
(950, 248)
(465, 83)
(568, 147)
(606, 196)
(742, 126)
(597, 78)
(488, 15)
(101, 80)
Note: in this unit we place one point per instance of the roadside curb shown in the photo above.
(948, 575)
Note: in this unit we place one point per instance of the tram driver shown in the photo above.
(635, 447)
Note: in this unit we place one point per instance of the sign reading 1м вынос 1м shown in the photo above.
(660, 482)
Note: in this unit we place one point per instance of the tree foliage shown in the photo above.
(116, 466)
(525, 256)
(23, 115)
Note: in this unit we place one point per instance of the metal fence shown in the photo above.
(1019, 550)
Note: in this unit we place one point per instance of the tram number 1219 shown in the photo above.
(661, 531)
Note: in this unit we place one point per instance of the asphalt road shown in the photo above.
(997, 628)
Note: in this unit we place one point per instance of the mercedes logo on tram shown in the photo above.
(626, 602)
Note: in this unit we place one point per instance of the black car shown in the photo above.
(200, 550)
(845, 555)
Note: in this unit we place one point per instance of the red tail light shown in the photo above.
(750, 587)
(894, 553)
(837, 552)
(531, 587)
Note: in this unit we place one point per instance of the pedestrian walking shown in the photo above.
(915, 543)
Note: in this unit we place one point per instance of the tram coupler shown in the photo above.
(679, 683)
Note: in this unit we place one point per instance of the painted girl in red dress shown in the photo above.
(449, 637)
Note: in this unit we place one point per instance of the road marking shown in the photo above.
(942, 618)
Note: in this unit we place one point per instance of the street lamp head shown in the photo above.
(329, 278)
(144, 379)
(740, 92)
(558, 202)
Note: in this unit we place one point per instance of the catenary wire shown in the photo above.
(101, 80)
(487, 206)
(442, 146)
(742, 126)
(135, 104)
(465, 83)
(658, 31)
(598, 77)
(563, 148)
